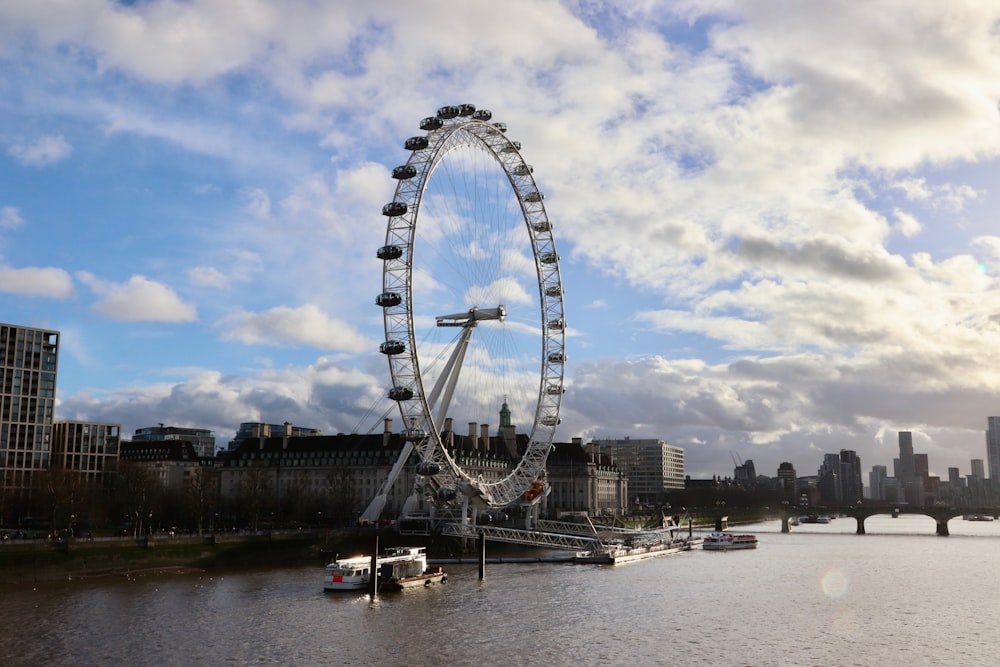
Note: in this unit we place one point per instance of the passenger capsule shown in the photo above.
(466, 109)
(556, 357)
(415, 143)
(542, 226)
(428, 468)
(389, 252)
(523, 170)
(447, 112)
(534, 197)
(431, 123)
(404, 172)
(548, 258)
(555, 390)
(446, 494)
(394, 208)
(391, 347)
(550, 420)
(554, 290)
(400, 393)
(388, 299)
(500, 126)
(557, 325)
(482, 114)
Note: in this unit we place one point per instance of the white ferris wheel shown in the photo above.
(473, 307)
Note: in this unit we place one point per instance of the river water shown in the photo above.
(821, 595)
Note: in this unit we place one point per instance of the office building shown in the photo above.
(201, 439)
(258, 430)
(788, 480)
(89, 448)
(993, 446)
(28, 365)
(851, 485)
(876, 478)
(653, 467)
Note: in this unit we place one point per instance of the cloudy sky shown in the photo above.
(776, 220)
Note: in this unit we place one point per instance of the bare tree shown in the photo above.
(136, 494)
(201, 495)
(60, 494)
(255, 492)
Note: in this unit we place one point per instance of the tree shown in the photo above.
(136, 495)
(255, 492)
(59, 494)
(201, 495)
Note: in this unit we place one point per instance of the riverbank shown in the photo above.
(32, 561)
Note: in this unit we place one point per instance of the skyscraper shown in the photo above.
(905, 473)
(28, 364)
(993, 446)
(851, 486)
(876, 482)
(789, 486)
(910, 484)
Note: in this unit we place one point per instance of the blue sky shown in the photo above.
(776, 220)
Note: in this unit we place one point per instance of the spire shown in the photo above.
(504, 417)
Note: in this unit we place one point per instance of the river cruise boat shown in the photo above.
(396, 568)
(723, 541)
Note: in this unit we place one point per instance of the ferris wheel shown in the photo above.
(472, 301)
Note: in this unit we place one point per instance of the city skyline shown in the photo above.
(777, 229)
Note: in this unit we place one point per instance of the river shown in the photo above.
(820, 595)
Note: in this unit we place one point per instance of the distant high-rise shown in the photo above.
(828, 483)
(786, 475)
(921, 466)
(978, 469)
(851, 486)
(875, 482)
(911, 484)
(745, 475)
(905, 472)
(993, 446)
(28, 364)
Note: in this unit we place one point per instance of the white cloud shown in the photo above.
(31, 281)
(208, 276)
(256, 202)
(10, 217)
(138, 300)
(43, 151)
(906, 224)
(306, 325)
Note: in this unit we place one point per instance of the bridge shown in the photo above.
(941, 515)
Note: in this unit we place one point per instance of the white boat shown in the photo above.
(723, 541)
(397, 568)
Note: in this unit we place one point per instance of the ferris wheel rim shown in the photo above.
(451, 128)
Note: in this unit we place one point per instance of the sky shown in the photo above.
(776, 221)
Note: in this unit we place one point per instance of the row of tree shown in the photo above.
(133, 500)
